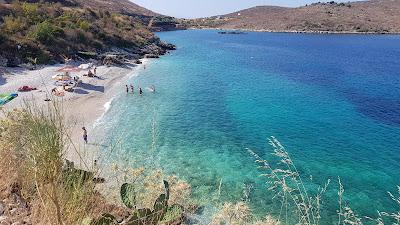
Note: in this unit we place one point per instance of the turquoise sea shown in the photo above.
(332, 100)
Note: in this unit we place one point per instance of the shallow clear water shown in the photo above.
(332, 100)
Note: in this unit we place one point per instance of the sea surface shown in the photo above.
(332, 100)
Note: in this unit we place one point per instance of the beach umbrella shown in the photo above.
(68, 69)
(62, 77)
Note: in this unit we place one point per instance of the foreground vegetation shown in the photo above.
(38, 186)
(299, 205)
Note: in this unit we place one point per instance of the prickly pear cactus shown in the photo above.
(128, 195)
(106, 219)
(141, 217)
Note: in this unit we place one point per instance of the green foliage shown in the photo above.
(145, 216)
(44, 32)
(76, 177)
(141, 217)
(128, 195)
(106, 219)
(71, 29)
(12, 24)
(30, 11)
(84, 25)
(173, 213)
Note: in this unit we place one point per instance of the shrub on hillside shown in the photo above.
(45, 32)
(31, 12)
(12, 24)
(84, 25)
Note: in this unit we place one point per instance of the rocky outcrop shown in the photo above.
(96, 36)
(3, 61)
(13, 207)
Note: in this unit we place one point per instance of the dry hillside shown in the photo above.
(378, 16)
(120, 6)
(38, 31)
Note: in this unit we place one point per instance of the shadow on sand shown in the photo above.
(91, 87)
(80, 91)
(2, 80)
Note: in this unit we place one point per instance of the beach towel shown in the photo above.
(5, 98)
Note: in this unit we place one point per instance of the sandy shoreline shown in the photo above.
(81, 108)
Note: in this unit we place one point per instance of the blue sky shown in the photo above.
(203, 8)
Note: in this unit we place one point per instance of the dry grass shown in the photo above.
(286, 183)
(32, 149)
(239, 214)
(31, 153)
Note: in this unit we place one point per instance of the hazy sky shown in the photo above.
(203, 8)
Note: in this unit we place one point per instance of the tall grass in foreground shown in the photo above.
(33, 144)
(297, 202)
(32, 148)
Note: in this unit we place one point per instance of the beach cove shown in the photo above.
(322, 96)
(81, 108)
(332, 100)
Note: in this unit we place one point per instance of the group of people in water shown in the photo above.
(152, 88)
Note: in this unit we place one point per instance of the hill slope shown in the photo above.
(378, 16)
(120, 6)
(43, 31)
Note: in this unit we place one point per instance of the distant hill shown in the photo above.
(52, 30)
(376, 16)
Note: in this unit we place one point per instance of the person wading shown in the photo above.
(84, 135)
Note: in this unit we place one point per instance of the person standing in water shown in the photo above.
(85, 135)
(127, 89)
(140, 91)
(132, 89)
(153, 88)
